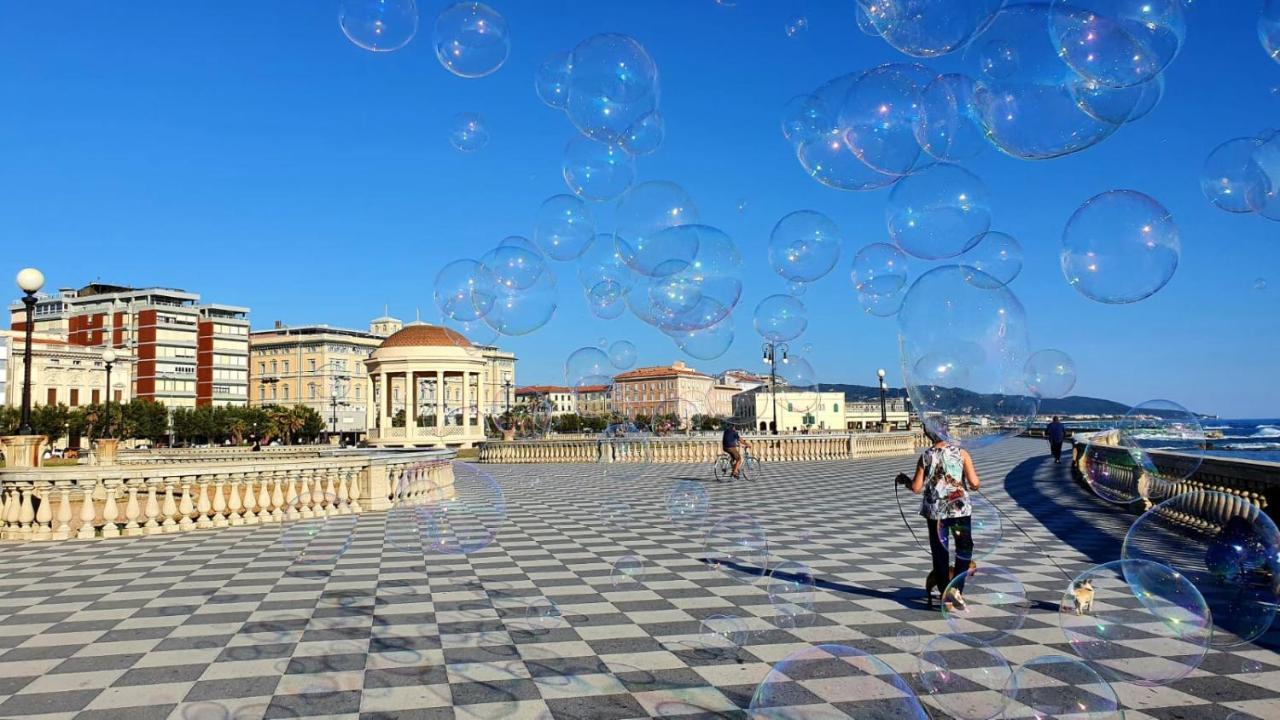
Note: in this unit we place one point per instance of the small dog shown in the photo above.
(1082, 596)
(932, 582)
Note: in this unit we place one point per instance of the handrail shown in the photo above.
(699, 448)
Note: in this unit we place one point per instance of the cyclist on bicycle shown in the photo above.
(732, 443)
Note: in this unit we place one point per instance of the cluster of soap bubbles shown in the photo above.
(1242, 175)
(510, 290)
(608, 88)
(470, 38)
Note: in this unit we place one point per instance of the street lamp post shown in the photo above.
(30, 280)
(884, 416)
(770, 354)
(109, 359)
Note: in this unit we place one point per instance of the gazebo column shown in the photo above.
(440, 402)
(411, 405)
(384, 406)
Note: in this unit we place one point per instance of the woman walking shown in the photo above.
(945, 475)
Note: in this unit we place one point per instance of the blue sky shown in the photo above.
(249, 152)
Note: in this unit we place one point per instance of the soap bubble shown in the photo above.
(847, 675)
(615, 512)
(929, 28)
(791, 588)
(997, 59)
(1118, 105)
(1115, 475)
(705, 286)
(467, 132)
(471, 39)
(1057, 686)
(879, 117)
(597, 171)
(941, 211)
(806, 117)
(865, 23)
(1227, 547)
(476, 332)
(613, 84)
(965, 676)
(311, 535)
(379, 25)
(1232, 179)
(779, 318)
(687, 503)
(795, 26)
(1269, 28)
(908, 640)
(1033, 113)
(724, 632)
(510, 268)
(958, 338)
(1050, 373)
(465, 515)
(645, 135)
(996, 256)
(1164, 425)
(642, 213)
(627, 571)
(456, 288)
(796, 288)
(564, 228)
(826, 155)
(1109, 607)
(543, 614)
(986, 530)
(520, 312)
(622, 354)
(1260, 284)
(603, 274)
(882, 305)
(587, 365)
(706, 343)
(737, 547)
(804, 246)
(879, 269)
(946, 127)
(995, 603)
(1117, 43)
(551, 82)
(1120, 247)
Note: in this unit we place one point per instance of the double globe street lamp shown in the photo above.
(30, 281)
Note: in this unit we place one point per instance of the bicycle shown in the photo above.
(723, 466)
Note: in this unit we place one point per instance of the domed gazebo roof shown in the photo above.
(426, 336)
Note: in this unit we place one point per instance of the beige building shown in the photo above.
(317, 366)
(560, 398)
(797, 410)
(62, 372)
(428, 387)
(865, 415)
(594, 400)
(675, 389)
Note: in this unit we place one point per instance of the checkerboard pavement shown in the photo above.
(224, 624)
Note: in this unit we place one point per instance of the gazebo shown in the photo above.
(426, 388)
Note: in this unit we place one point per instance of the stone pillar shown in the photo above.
(439, 402)
(23, 451)
(410, 405)
(107, 450)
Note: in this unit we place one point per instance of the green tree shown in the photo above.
(50, 420)
(570, 423)
(10, 419)
(309, 422)
(146, 420)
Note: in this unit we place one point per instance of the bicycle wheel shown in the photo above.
(721, 468)
(750, 466)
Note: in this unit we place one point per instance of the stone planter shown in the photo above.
(24, 451)
(106, 451)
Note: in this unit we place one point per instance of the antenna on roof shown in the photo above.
(386, 310)
(417, 314)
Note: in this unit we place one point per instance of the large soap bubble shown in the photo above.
(804, 246)
(511, 267)
(996, 256)
(687, 503)
(737, 547)
(455, 291)
(879, 269)
(597, 171)
(706, 343)
(463, 513)
(806, 117)
(622, 354)
(1109, 608)
(928, 28)
(471, 39)
(1030, 109)
(613, 84)
(467, 132)
(1163, 425)
(823, 150)
(791, 589)
(1118, 105)
(1226, 546)
(642, 214)
(1120, 246)
(779, 318)
(645, 135)
(964, 348)
(1117, 43)
(965, 676)
(853, 676)
(1269, 28)
(564, 228)
(946, 126)
(520, 312)
(879, 115)
(995, 603)
(602, 272)
(587, 366)
(939, 212)
(706, 289)
(1048, 687)
(1050, 373)
(551, 82)
(379, 25)
(1232, 179)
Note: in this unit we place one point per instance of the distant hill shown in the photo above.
(979, 403)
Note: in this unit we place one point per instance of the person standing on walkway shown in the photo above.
(945, 475)
(1056, 432)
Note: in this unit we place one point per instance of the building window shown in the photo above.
(286, 392)
(311, 389)
(262, 392)
(97, 397)
(52, 398)
(311, 365)
(357, 392)
(273, 367)
(262, 368)
(286, 367)
(75, 397)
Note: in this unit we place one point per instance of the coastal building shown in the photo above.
(865, 415)
(66, 373)
(741, 379)
(318, 366)
(675, 389)
(187, 353)
(560, 398)
(428, 387)
(593, 400)
(797, 410)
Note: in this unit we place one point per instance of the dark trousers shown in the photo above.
(959, 530)
(1056, 449)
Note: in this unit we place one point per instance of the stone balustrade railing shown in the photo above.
(168, 456)
(700, 448)
(1253, 487)
(90, 502)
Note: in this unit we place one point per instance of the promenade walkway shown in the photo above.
(221, 624)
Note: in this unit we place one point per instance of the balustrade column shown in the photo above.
(44, 515)
(277, 496)
(169, 508)
(219, 502)
(152, 509)
(203, 506)
(186, 507)
(88, 511)
(331, 499)
(133, 510)
(110, 511)
(249, 517)
(234, 483)
(62, 489)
